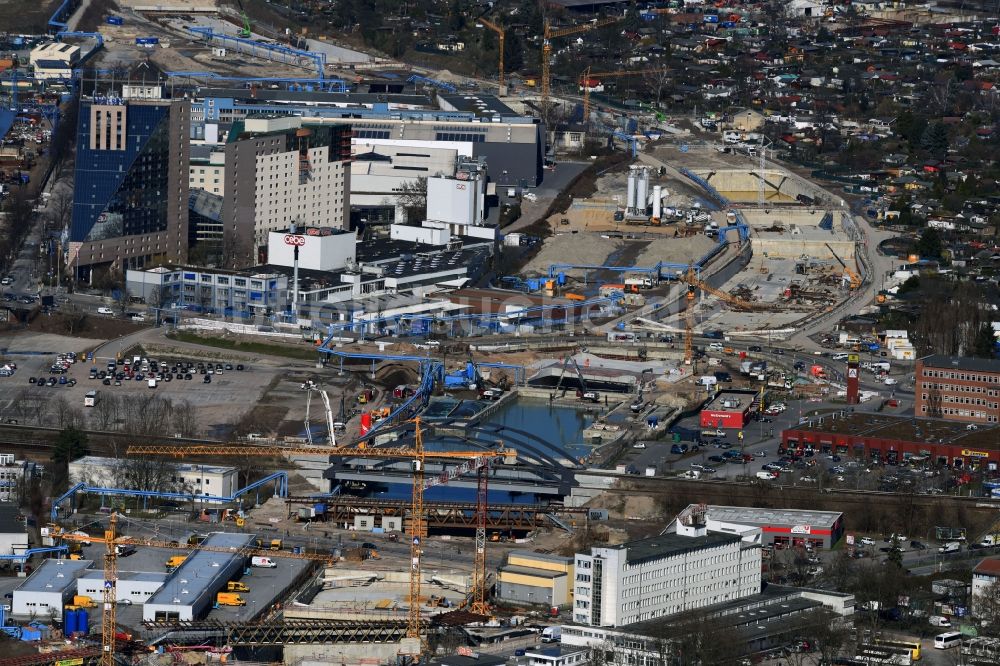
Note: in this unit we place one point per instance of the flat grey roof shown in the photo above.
(759, 517)
(55, 576)
(149, 576)
(961, 363)
(101, 461)
(541, 557)
(557, 651)
(668, 545)
(531, 571)
(201, 570)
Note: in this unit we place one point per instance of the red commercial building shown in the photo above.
(956, 388)
(894, 439)
(729, 409)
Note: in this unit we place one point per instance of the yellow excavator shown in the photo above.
(851, 275)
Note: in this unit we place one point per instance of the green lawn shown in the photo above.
(296, 351)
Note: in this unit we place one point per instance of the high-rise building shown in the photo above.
(280, 171)
(130, 196)
(956, 388)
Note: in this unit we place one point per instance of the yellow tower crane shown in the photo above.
(587, 75)
(694, 283)
(502, 34)
(547, 38)
(474, 461)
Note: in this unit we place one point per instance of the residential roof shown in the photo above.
(55, 576)
(669, 545)
(989, 567)
(961, 363)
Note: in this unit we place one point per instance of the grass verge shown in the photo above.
(241, 346)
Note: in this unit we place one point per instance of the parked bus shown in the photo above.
(90, 399)
(947, 640)
(912, 646)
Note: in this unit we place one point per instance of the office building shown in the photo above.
(381, 172)
(956, 388)
(243, 294)
(130, 195)
(49, 587)
(475, 126)
(663, 575)
(189, 591)
(198, 479)
(278, 172)
(536, 578)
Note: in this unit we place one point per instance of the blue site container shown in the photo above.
(561, 279)
(115, 20)
(30, 634)
(319, 508)
(533, 285)
(82, 622)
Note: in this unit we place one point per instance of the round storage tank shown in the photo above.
(82, 622)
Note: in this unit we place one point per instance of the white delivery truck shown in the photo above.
(551, 634)
(950, 547)
(263, 562)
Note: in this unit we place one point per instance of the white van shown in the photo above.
(716, 346)
(151, 383)
(939, 621)
(551, 634)
(264, 562)
(731, 136)
(103, 310)
(708, 380)
(950, 547)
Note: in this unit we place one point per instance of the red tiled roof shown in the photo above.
(989, 566)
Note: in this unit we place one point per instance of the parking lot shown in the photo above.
(47, 382)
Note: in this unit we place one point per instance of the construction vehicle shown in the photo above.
(474, 462)
(196, 539)
(366, 396)
(276, 544)
(501, 34)
(310, 387)
(109, 602)
(81, 601)
(436, 601)
(547, 38)
(855, 279)
(245, 31)
(175, 562)
(694, 284)
(229, 599)
(583, 393)
(236, 586)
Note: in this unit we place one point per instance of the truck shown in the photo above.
(236, 586)
(989, 541)
(950, 547)
(276, 544)
(83, 602)
(263, 562)
(230, 599)
(551, 634)
(175, 562)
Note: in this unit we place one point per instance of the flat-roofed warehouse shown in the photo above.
(49, 588)
(893, 439)
(778, 526)
(188, 593)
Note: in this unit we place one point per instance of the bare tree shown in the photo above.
(145, 474)
(74, 319)
(185, 419)
(106, 411)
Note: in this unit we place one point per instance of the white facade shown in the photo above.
(13, 532)
(984, 576)
(662, 575)
(319, 253)
(282, 199)
(48, 588)
(458, 200)
(212, 480)
(378, 181)
(425, 235)
(134, 586)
